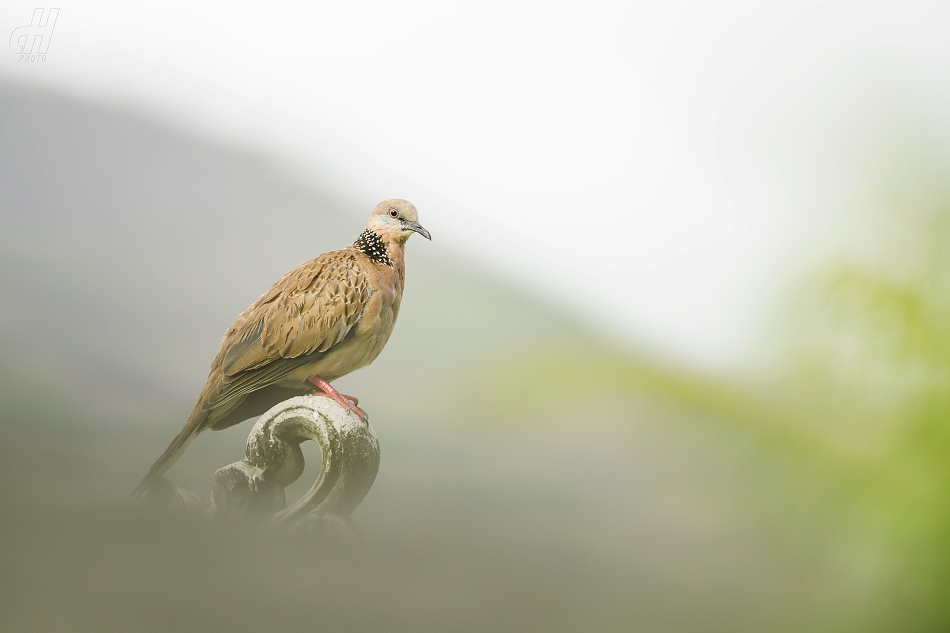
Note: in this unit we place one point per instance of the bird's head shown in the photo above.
(396, 220)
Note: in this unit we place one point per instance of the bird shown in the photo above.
(322, 320)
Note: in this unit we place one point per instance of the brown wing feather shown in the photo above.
(251, 380)
(308, 311)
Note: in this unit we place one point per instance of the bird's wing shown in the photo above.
(309, 310)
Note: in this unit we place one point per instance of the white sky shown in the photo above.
(663, 168)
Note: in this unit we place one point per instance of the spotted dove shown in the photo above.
(322, 320)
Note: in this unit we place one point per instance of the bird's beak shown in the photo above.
(418, 228)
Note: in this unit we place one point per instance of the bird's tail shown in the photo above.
(193, 426)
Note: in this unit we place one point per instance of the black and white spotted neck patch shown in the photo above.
(371, 245)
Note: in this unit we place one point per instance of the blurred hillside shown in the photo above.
(535, 475)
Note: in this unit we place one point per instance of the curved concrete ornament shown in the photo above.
(254, 487)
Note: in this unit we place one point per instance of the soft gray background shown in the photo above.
(533, 478)
(719, 141)
(619, 195)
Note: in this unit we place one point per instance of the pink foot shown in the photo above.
(318, 392)
(344, 400)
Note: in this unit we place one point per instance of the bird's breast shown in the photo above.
(364, 344)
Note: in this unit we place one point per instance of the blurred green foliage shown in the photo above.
(855, 429)
(870, 363)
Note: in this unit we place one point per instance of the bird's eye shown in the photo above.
(394, 213)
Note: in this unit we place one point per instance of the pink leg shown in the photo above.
(353, 399)
(347, 401)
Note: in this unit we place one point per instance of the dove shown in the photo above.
(322, 320)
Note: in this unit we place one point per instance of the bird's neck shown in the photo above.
(382, 249)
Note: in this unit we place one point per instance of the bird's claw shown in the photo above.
(350, 402)
(323, 388)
